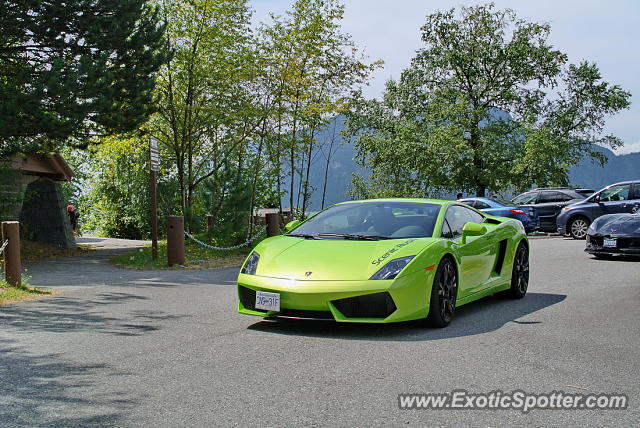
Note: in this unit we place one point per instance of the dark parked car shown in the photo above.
(546, 203)
(619, 198)
(502, 208)
(612, 234)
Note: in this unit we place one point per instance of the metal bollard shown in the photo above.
(175, 240)
(273, 224)
(13, 265)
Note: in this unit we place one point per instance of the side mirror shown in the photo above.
(595, 198)
(472, 229)
(291, 225)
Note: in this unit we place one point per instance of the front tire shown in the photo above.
(578, 227)
(443, 295)
(520, 273)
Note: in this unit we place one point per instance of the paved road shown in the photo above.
(166, 348)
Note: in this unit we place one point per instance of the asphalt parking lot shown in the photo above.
(167, 348)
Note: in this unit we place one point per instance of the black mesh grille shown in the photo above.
(247, 297)
(378, 305)
(629, 242)
(595, 240)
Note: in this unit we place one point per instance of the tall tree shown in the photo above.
(75, 69)
(316, 65)
(205, 105)
(486, 104)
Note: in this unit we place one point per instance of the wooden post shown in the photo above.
(13, 265)
(175, 240)
(273, 224)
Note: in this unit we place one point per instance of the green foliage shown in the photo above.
(486, 104)
(73, 69)
(115, 202)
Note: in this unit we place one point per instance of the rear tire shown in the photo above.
(520, 273)
(444, 293)
(578, 227)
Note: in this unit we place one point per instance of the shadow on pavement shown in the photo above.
(39, 390)
(479, 317)
(60, 314)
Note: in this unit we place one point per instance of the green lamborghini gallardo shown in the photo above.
(385, 260)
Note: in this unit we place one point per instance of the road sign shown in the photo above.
(155, 161)
(154, 155)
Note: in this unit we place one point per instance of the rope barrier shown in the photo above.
(212, 247)
(4, 245)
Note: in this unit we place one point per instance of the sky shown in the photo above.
(604, 32)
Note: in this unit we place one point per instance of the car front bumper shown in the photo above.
(343, 301)
(628, 246)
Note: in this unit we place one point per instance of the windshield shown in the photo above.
(371, 220)
(501, 201)
(525, 198)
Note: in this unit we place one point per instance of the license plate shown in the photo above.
(610, 242)
(267, 301)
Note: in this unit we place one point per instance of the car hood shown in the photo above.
(618, 225)
(331, 259)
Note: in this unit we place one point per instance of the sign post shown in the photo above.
(153, 166)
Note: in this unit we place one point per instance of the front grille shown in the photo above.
(628, 242)
(598, 241)
(247, 297)
(378, 305)
(595, 240)
(298, 313)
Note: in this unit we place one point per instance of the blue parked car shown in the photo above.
(617, 198)
(500, 207)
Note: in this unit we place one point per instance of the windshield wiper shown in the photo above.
(353, 237)
(302, 235)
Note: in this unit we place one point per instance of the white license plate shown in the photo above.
(610, 242)
(267, 301)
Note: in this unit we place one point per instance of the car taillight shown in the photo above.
(517, 211)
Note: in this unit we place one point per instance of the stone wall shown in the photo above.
(12, 186)
(44, 216)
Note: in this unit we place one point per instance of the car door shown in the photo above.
(633, 204)
(549, 205)
(477, 255)
(614, 200)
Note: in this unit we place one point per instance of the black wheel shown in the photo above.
(443, 294)
(578, 227)
(519, 274)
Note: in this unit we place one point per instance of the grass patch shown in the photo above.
(34, 251)
(197, 257)
(9, 294)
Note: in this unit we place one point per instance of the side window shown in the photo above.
(481, 205)
(635, 191)
(470, 202)
(615, 193)
(525, 198)
(563, 197)
(475, 217)
(446, 230)
(546, 197)
(457, 216)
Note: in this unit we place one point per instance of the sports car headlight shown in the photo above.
(251, 264)
(392, 269)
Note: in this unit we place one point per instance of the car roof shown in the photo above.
(413, 200)
(622, 182)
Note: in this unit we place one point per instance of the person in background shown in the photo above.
(73, 218)
(459, 196)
